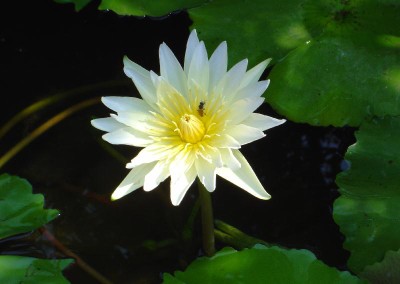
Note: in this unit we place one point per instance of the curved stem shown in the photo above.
(207, 220)
(44, 127)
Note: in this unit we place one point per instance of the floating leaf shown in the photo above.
(385, 272)
(338, 80)
(368, 211)
(260, 265)
(20, 210)
(256, 30)
(21, 269)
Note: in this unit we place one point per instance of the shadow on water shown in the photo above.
(137, 238)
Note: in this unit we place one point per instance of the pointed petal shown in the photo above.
(108, 124)
(233, 78)
(128, 136)
(180, 185)
(206, 173)
(228, 159)
(141, 79)
(153, 152)
(199, 68)
(158, 174)
(242, 109)
(132, 181)
(120, 104)
(218, 65)
(183, 173)
(171, 69)
(252, 90)
(244, 177)
(254, 74)
(192, 44)
(245, 134)
(262, 122)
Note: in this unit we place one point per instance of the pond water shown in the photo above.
(135, 239)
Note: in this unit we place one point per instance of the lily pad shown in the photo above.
(338, 80)
(385, 272)
(368, 210)
(260, 265)
(256, 30)
(20, 210)
(21, 269)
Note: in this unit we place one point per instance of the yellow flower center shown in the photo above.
(191, 128)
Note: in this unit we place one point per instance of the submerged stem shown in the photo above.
(207, 220)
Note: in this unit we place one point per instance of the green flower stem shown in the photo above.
(207, 220)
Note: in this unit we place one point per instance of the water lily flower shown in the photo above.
(190, 121)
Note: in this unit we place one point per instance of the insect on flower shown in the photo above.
(201, 108)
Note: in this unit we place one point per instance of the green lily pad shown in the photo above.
(155, 8)
(256, 30)
(21, 269)
(384, 272)
(20, 210)
(338, 80)
(368, 210)
(260, 265)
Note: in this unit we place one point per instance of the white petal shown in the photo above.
(228, 159)
(254, 74)
(192, 44)
(225, 141)
(244, 177)
(206, 173)
(154, 152)
(158, 174)
(218, 65)
(119, 104)
(136, 120)
(241, 109)
(252, 90)
(108, 124)
(245, 134)
(181, 183)
(132, 181)
(233, 78)
(262, 122)
(141, 78)
(183, 173)
(171, 69)
(199, 67)
(128, 136)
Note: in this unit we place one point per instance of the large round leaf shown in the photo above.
(338, 80)
(21, 269)
(384, 272)
(20, 210)
(256, 30)
(368, 211)
(260, 265)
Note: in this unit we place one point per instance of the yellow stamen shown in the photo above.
(191, 128)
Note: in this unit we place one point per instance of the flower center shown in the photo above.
(191, 128)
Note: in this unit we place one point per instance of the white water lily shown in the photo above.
(191, 121)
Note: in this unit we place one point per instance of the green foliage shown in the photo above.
(368, 211)
(255, 30)
(20, 210)
(155, 8)
(337, 81)
(21, 269)
(384, 272)
(260, 265)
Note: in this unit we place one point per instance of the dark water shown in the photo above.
(48, 48)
